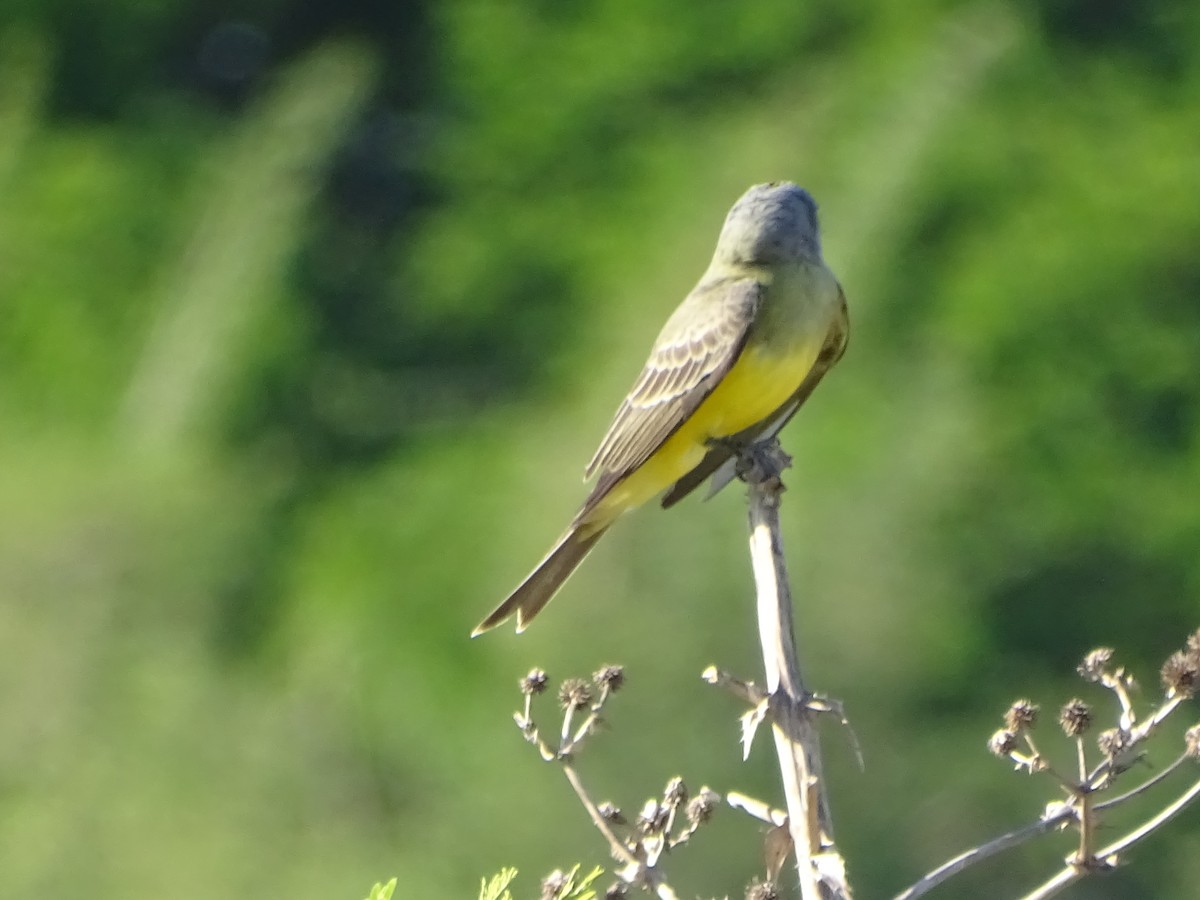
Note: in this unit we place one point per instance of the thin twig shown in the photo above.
(564, 739)
(968, 858)
(619, 850)
(1103, 774)
(583, 730)
(1144, 786)
(764, 812)
(1115, 682)
(1108, 856)
(747, 691)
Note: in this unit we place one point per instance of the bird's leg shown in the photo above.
(729, 442)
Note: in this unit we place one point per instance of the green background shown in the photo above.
(311, 313)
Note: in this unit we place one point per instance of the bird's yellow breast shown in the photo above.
(760, 382)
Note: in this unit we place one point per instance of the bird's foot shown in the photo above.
(762, 463)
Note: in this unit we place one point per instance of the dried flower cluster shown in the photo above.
(1075, 717)
(1181, 672)
(1118, 746)
(640, 842)
(663, 823)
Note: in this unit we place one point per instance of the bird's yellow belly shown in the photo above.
(759, 383)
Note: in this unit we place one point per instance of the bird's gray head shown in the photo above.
(770, 223)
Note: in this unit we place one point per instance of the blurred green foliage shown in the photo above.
(308, 312)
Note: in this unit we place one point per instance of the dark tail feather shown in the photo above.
(540, 586)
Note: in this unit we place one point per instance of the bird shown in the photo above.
(732, 364)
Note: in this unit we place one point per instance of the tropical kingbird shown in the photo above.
(731, 366)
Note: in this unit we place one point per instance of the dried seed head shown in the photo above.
(701, 807)
(534, 683)
(1075, 717)
(1002, 743)
(652, 818)
(575, 693)
(1112, 741)
(1095, 664)
(610, 812)
(618, 890)
(1191, 742)
(553, 884)
(763, 890)
(1193, 641)
(1021, 715)
(1181, 674)
(611, 677)
(675, 794)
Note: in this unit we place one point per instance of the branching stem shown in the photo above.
(1109, 855)
(619, 850)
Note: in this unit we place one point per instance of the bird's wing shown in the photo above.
(699, 344)
(720, 462)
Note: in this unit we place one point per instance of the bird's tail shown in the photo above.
(540, 586)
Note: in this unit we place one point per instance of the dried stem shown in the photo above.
(1116, 682)
(1144, 786)
(1104, 773)
(1108, 856)
(821, 868)
(1087, 826)
(619, 850)
(965, 860)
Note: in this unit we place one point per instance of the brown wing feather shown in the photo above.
(697, 347)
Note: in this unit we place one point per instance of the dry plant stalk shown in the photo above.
(806, 826)
(788, 703)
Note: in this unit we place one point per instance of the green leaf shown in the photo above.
(580, 890)
(382, 891)
(497, 888)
